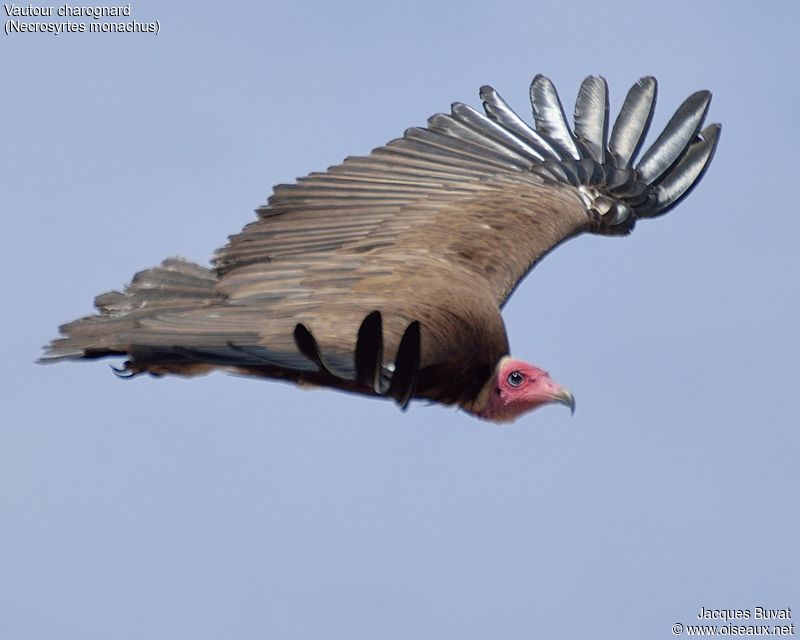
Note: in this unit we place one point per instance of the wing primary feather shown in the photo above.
(124, 372)
(586, 171)
(686, 173)
(484, 125)
(406, 366)
(447, 136)
(557, 170)
(457, 130)
(633, 121)
(307, 345)
(369, 352)
(573, 173)
(498, 110)
(591, 117)
(676, 137)
(549, 116)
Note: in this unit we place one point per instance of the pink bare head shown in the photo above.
(518, 387)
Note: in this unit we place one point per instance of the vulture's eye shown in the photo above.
(515, 378)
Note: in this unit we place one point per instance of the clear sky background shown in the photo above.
(229, 508)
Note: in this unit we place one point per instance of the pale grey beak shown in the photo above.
(563, 396)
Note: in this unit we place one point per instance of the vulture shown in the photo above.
(386, 274)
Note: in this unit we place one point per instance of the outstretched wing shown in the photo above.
(484, 193)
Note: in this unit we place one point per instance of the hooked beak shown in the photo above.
(563, 396)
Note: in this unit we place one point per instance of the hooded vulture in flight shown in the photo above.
(385, 275)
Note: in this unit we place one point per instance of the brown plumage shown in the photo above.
(385, 275)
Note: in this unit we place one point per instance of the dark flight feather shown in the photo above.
(591, 118)
(673, 141)
(686, 173)
(406, 368)
(549, 116)
(369, 352)
(633, 122)
(498, 110)
(307, 345)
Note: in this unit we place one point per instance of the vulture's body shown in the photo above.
(386, 274)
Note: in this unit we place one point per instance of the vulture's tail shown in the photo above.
(600, 165)
(174, 286)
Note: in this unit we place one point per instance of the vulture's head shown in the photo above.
(518, 387)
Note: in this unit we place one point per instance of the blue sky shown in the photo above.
(225, 507)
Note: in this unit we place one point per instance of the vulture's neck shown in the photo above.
(477, 405)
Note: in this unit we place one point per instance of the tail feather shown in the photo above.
(175, 285)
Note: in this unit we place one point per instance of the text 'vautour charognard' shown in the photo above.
(68, 18)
